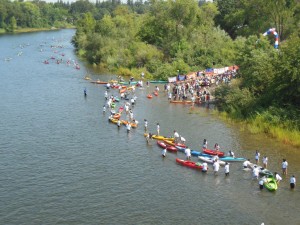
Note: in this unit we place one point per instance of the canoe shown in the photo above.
(134, 125)
(155, 93)
(158, 81)
(213, 152)
(149, 96)
(173, 144)
(189, 164)
(210, 160)
(165, 146)
(181, 102)
(271, 185)
(232, 159)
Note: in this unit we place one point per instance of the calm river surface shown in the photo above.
(61, 162)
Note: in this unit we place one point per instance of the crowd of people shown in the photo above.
(194, 89)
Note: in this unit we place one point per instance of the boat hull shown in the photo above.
(189, 164)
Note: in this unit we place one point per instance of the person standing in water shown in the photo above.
(157, 128)
(84, 91)
(257, 155)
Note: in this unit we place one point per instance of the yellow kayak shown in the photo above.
(158, 137)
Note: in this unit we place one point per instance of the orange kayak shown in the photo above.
(117, 116)
(125, 122)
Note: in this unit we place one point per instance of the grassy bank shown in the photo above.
(258, 124)
(26, 30)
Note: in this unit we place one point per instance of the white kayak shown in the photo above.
(210, 160)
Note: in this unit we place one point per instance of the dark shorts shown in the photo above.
(204, 171)
(292, 185)
(245, 167)
(261, 187)
(226, 174)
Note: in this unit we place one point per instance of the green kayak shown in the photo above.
(271, 185)
(158, 82)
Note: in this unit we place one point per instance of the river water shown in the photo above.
(61, 162)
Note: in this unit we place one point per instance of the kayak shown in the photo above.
(173, 144)
(196, 153)
(213, 152)
(262, 171)
(134, 125)
(124, 82)
(122, 90)
(210, 160)
(114, 120)
(189, 164)
(117, 116)
(165, 146)
(155, 93)
(158, 137)
(98, 82)
(149, 96)
(158, 81)
(271, 184)
(232, 159)
(181, 102)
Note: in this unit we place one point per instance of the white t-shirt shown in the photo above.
(293, 180)
(284, 165)
(257, 155)
(261, 182)
(188, 152)
(226, 168)
(164, 152)
(176, 135)
(255, 172)
(146, 123)
(204, 166)
(265, 160)
(278, 178)
(216, 166)
(246, 163)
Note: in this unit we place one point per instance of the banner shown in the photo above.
(172, 79)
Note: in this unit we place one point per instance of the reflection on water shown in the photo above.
(63, 162)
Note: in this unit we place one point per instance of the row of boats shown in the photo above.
(208, 156)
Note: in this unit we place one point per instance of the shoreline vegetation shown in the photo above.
(257, 125)
(28, 30)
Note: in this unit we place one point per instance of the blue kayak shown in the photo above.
(196, 153)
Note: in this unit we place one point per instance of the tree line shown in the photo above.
(163, 37)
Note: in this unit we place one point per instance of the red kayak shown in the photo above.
(168, 147)
(213, 152)
(189, 164)
(173, 144)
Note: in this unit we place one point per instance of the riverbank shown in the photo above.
(259, 125)
(27, 30)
